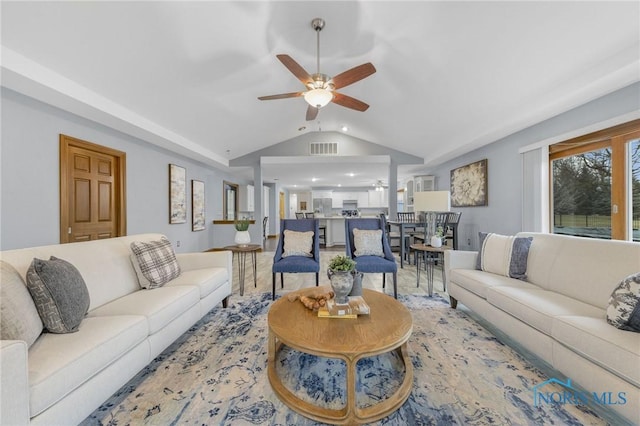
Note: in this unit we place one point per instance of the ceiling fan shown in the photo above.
(321, 89)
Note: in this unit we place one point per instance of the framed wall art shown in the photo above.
(197, 205)
(469, 186)
(177, 194)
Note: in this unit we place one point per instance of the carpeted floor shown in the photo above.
(215, 374)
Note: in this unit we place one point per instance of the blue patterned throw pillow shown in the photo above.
(623, 311)
(503, 255)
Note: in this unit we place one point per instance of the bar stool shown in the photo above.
(322, 229)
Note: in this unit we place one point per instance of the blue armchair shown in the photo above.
(372, 264)
(296, 264)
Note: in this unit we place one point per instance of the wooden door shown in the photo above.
(92, 199)
(281, 203)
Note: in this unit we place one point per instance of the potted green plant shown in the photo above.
(242, 237)
(341, 274)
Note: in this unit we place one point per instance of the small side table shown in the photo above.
(421, 250)
(241, 251)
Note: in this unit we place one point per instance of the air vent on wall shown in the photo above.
(323, 148)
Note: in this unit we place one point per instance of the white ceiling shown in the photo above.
(451, 76)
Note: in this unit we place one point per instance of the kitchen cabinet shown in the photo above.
(246, 199)
(336, 200)
(378, 199)
(321, 194)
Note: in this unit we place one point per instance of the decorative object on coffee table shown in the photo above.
(340, 273)
(242, 237)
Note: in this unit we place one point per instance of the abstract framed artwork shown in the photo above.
(177, 194)
(469, 185)
(197, 205)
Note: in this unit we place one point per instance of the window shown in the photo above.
(595, 187)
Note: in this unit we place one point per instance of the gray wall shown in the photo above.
(29, 212)
(29, 209)
(504, 212)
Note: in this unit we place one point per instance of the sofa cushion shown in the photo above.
(157, 262)
(504, 255)
(367, 242)
(297, 243)
(624, 301)
(537, 307)
(615, 350)
(586, 269)
(59, 292)
(160, 306)
(479, 282)
(59, 363)
(20, 319)
(207, 280)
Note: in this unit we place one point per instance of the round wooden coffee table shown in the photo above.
(387, 328)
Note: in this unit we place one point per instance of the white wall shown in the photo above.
(29, 179)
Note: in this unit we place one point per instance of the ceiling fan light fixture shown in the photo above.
(318, 97)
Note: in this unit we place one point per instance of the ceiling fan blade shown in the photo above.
(281, 96)
(295, 69)
(349, 102)
(312, 113)
(354, 74)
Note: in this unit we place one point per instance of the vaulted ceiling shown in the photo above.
(451, 76)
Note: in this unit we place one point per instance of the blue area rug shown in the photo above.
(215, 374)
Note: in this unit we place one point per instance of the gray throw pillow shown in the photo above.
(20, 319)
(59, 292)
(157, 261)
(503, 255)
(623, 311)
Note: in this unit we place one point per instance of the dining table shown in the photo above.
(406, 228)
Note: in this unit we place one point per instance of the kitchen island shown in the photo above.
(335, 229)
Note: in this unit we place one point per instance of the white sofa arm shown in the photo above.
(210, 259)
(460, 259)
(14, 386)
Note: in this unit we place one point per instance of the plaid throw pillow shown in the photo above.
(157, 261)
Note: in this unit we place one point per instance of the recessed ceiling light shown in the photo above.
(339, 185)
(314, 179)
(345, 128)
(351, 174)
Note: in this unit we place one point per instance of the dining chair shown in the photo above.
(452, 226)
(368, 263)
(289, 258)
(321, 227)
(389, 234)
(407, 217)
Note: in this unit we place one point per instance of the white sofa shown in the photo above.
(559, 311)
(62, 378)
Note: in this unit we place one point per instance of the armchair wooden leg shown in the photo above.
(273, 296)
(395, 285)
(225, 302)
(453, 302)
(384, 276)
(317, 279)
(281, 280)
